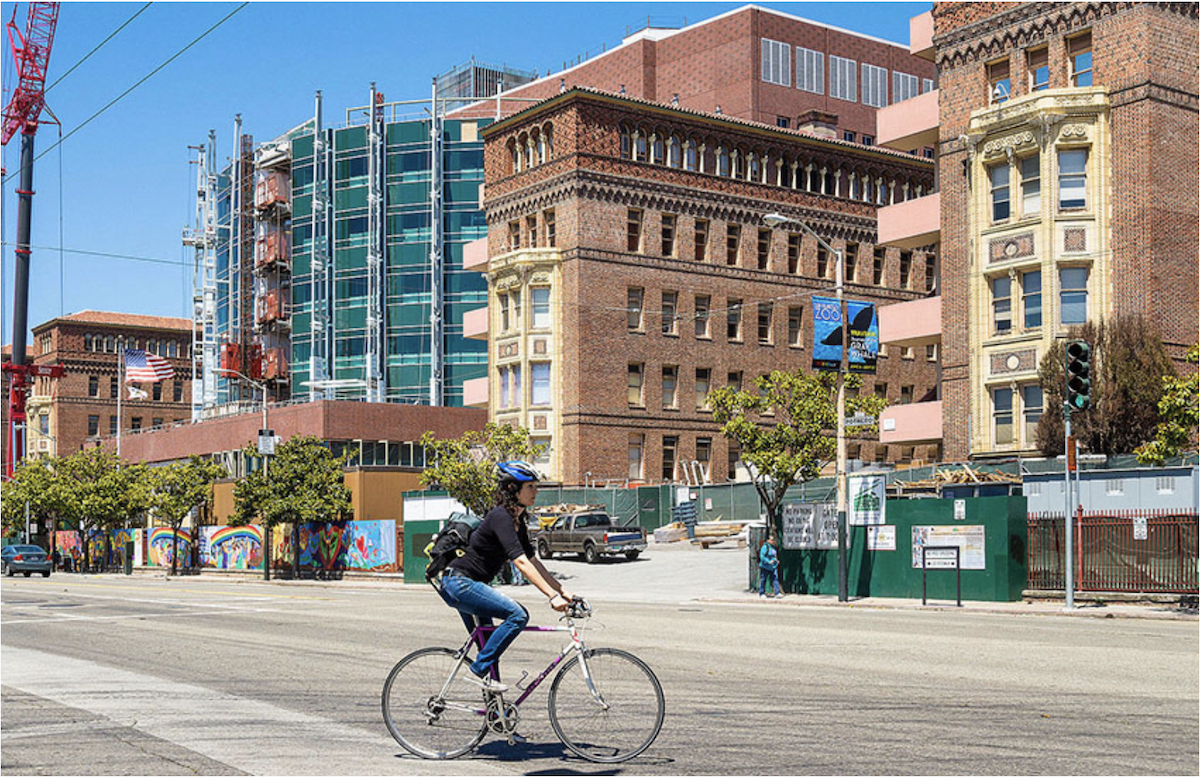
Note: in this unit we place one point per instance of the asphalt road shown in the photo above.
(116, 675)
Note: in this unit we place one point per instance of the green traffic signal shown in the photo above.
(1078, 369)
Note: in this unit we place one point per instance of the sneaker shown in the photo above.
(486, 683)
(779, 596)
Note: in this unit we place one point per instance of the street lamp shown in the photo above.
(266, 430)
(774, 220)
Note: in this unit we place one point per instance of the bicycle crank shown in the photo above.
(502, 721)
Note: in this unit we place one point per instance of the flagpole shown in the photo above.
(120, 388)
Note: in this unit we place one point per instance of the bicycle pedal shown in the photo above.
(516, 739)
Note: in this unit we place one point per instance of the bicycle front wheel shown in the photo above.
(425, 715)
(614, 719)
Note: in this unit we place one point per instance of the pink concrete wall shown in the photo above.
(475, 323)
(910, 124)
(911, 424)
(911, 323)
(475, 392)
(911, 224)
(920, 36)
(475, 255)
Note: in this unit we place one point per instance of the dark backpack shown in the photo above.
(450, 543)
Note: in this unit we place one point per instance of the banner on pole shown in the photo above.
(827, 334)
(864, 337)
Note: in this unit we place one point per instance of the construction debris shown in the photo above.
(949, 477)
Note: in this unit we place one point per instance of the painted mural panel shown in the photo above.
(231, 547)
(340, 545)
(70, 546)
(162, 545)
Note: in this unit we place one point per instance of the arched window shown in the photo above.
(739, 164)
(626, 143)
(689, 156)
(674, 153)
(87, 342)
(722, 162)
(548, 139)
(660, 153)
(530, 151)
(110, 344)
(640, 147)
(755, 169)
(514, 157)
(541, 149)
(152, 347)
(172, 349)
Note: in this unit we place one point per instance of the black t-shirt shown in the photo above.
(494, 542)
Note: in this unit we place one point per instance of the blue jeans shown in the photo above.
(764, 575)
(479, 601)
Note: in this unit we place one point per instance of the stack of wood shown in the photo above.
(948, 477)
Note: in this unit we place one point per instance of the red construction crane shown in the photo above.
(31, 54)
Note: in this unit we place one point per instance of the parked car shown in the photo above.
(26, 559)
(591, 535)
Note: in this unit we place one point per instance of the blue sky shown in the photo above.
(122, 184)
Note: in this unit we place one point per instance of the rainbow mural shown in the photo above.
(162, 545)
(339, 545)
(231, 547)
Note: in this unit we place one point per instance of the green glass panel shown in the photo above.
(348, 229)
(408, 315)
(407, 161)
(302, 206)
(464, 159)
(408, 255)
(301, 263)
(301, 322)
(350, 199)
(408, 193)
(407, 132)
(351, 318)
(302, 146)
(462, 191)
(351, 137)
(461, 282)
(349, 258)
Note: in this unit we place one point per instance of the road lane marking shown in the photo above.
(65, 618)
(246, 734)
(246, 594)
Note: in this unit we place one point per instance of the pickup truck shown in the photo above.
(591, 535)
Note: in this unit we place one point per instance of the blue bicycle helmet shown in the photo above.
(517, 472)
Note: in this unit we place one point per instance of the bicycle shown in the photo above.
(606, 705)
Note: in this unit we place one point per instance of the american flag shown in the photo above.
(142, 367)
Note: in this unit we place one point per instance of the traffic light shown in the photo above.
(1079, 381)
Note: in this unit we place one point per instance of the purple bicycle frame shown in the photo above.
(479, 639)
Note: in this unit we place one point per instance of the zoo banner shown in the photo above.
(827, 334)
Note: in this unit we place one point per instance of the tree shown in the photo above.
(794, 444)
(100, 492)
(177, 489)
(465, 466)
(34, 482)
(305, 483)
(1127, 359)
(1179, 414)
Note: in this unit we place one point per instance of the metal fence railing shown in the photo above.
(1138, 551)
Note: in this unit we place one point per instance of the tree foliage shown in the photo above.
(35, 483)
(786, 430)
(1128, 359)
(466, 466)
(1179, 414)
(178, 488)
(304, 483)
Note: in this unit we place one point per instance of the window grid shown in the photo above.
(776, 62)
(810, 70)
(875, 85)
(843, 83)
(904, 86)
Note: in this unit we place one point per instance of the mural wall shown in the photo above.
(231, 547)
(340, 545)
(162, 546)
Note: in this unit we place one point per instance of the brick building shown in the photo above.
(630, 273)
(64, 413)
(753, 63)
(1067, 136)
(5, 358)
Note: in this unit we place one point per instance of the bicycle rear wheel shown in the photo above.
(421, 718)
(617, 722)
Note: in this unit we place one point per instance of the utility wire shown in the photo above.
(98, 47)
(143, 80)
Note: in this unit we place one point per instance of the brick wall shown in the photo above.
(592, 192)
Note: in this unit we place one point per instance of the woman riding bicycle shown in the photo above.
(501, 537)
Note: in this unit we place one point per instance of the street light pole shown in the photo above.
(776, 220)
(266, 542)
